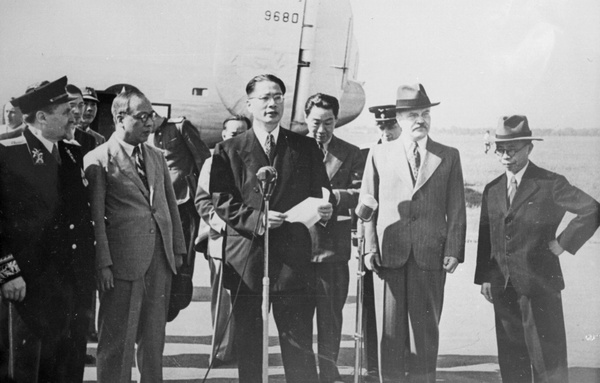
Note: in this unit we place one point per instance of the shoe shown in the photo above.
(90, 359)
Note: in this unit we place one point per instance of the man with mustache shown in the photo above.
(415, 238)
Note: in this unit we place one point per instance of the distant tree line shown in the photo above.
(568, 131)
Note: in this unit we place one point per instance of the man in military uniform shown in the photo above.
(46, 241)
(185, 153)
(385, 118)
(90, 109)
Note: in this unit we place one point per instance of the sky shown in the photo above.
(485, 58)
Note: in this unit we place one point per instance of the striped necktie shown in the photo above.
(512, 190)
(139, 165)
(270, 147)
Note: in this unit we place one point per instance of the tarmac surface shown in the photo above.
(467, 337)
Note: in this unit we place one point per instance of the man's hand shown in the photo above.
(105, 279)
(276, 219)
(372, 261)
(486, 291)
(450, 264)
(555, 247)
(325, 211)
(14, 289)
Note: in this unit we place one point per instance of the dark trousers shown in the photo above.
(370, 322)
(530, 332)
(332, 280)
(190, 221)
(293, 311)
(56, 359)
(415, 296)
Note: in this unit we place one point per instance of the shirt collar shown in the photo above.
(261, 135)
(47, 143)
(407, 142)
(518, 176)
(127, 147)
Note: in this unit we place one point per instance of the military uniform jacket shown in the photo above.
(46, 227)
(344, 164)
(513, 241)
(237, 199)
(185, 153)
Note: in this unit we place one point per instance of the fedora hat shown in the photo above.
(412, 97)
(514, 128)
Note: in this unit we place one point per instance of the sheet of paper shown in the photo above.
(306, 212)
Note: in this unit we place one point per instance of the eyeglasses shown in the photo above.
(144, 116)
(511, 152)
(277, 98)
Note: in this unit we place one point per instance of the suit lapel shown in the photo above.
(395, 154)
(151, 168)
(252, 152)
(119, 157)
(431, 161)
(527, 187)
(334, 158)
(497, 195)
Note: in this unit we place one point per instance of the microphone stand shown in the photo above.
(265, 293)
(358, 238)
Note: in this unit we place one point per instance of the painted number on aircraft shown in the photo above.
(284, 17)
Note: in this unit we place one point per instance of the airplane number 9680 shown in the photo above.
(284, 17)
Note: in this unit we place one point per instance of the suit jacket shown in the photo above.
(127, 215)
(46, 228)
(87, 141)
(212, 227)
(428, 218)
(237, 200)
(185, 153)
(344, 164)
(513, 241)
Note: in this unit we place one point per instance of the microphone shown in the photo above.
(367, 205)
(267, 176)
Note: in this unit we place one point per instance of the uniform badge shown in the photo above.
(71, 155)
(38, 157)
(83, 179)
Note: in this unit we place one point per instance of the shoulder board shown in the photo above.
(14, 141)
(177, 120)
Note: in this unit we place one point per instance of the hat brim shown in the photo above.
(91, 98)
(517, 139)
(417, 106)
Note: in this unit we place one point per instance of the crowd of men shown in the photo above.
(126, 214)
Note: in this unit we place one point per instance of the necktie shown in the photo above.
(270, 147)
(56, 154)
(139, 165)
(512, 190)
(322, 147)
(415, 162)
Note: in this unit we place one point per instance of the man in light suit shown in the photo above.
(237, 199)
(139, 242)
(518, 264)
(416, 236)
(331, 242)
(222, 349)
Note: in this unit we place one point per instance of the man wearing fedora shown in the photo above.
(518, 264)
(415, 238)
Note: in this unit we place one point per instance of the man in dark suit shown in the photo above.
(331, 242)
(13, 122)
(416, 236)
(46, 241)
(139, 242)
(185, 153)
(518, 264)
(237, 200)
